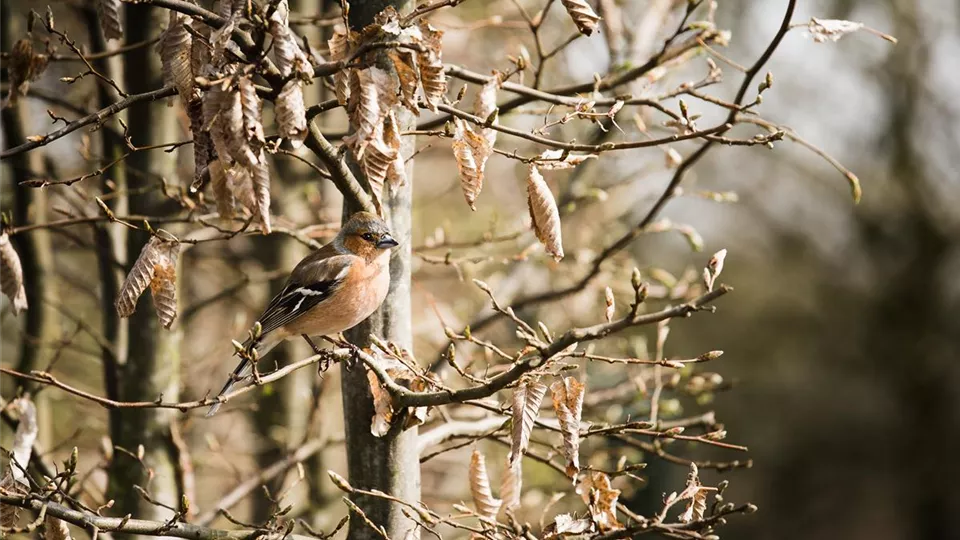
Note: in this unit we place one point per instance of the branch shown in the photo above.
(90, 521)
(99, 116)
(343, 178)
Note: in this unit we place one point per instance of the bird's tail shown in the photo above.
(244, 368)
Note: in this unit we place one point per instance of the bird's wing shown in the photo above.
(312, 282)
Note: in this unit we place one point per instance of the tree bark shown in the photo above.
(34, 248)
(153, 360)
(390, 463)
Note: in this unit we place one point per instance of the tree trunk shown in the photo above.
(153, 360)
(390, 463)
(34, 248)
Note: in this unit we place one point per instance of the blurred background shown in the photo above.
(841, 340)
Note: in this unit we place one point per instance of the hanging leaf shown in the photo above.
(23, 439)
(55, 529)
(822, 30)
(566, 525)
(108, 11)
(291, 113)
(432, 77)
(525, 409)
(291, 60)
(485, 104)
(215, 121)
(234, 127)
(11, 275)
(156, 267)
(222, 190)
(601, 500)
(199, 48)
(397, 173)
(377, 95)
(339, 49)
(221, 38)
(382, 406)
(582, 14)
(511, 484)
(487, 506)
(23, 67)
(252, 110)
(260, 174)
(555, 160)
(567, 397)
(471, 152)
(405, 63)
(696, 496)
(203, 151)
(544, 213)
(176, 53)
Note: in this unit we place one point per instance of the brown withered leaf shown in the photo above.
(260, 174)
(405, 63)
(567, 397)
(23, 66)
(200, 48)
(339, 49)
(291, 113)
(566, 525)
(377, 96)
(544, 213)
(108, 11)
(484, 104)
(471, 152)
(156, 267)
(430, 63)
(252, 111)
(290, 57)
(524, 410)
(696, 495)
(222, 190)
(397, 173)
(11, 275)
(511, 484)
(382, 406)
(55, 529)
(214, 121)
(221, 38)
(582, 14)
(233, 124)
(203, 150)
(176, 52)
(601, 500)
(23, 439)
(555, 160)
(483, 500)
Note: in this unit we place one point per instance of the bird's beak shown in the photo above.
(387, 242)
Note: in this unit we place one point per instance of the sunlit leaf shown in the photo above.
(483, 499)
(544, 213)
(11, 275)
(525, 408)
(108, 12)
(582, 14)
(567, 395)
(156, 267)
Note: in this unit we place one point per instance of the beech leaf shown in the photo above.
(108, 12)
(11, 275)
(525, 409)
(582, 14)
(487, 506)
(156, 267)
(544, 213)
(567, 397)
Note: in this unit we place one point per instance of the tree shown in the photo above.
(383, 64)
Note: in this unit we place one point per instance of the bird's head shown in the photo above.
(366, 235)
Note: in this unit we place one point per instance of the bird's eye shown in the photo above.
(368, 237)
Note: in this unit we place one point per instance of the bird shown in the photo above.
(330, 291)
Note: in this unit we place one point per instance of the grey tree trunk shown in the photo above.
(153, 361)
(34, 248)
(390, 463)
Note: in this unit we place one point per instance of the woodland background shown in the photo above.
(842, 342)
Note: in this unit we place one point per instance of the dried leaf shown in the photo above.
(382, 406)
(291, 60)
(544, 213)
(582, 14)
(377, 162)
(487, 506)
(511, 484)
(405, 63)
(108, 11)
(471, 152)
(696, 495)
(233, 125)
(200, 49)
(11, 275)
(566, 525)
(176, 54)
(525, 409)
(55, 529)
(555, 160)
(222, 190)
(23, 440)
(221, 39)
(156, 267)
(291, 113)
(377, 95)
(252, 110)
(432, 78)
(567, 397)
(397, 174)
(601, 500)
(203, 150)
(260, 174)
(484, 105)
(23, 67)
(822, 30)
(339, 49)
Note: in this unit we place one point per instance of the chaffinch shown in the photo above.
(331, 290)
